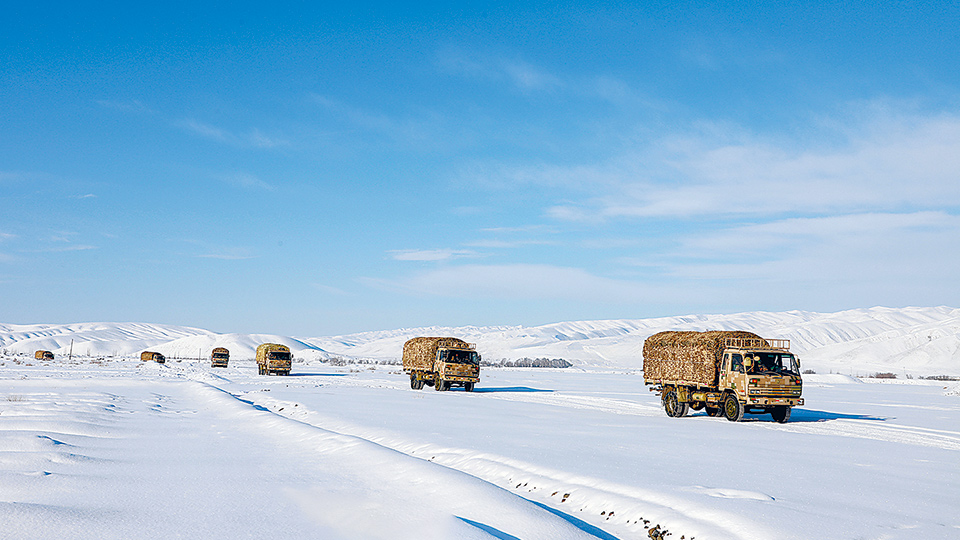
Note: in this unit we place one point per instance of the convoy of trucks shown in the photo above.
(441, 362)
(147, 356)
(219, 357)
(273, 358)
(728, 373)
(725, 373)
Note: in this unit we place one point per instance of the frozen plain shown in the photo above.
(123, 449)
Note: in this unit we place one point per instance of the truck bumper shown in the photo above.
(770, 401)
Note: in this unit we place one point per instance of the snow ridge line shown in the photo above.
(474, 502)
(626, 510)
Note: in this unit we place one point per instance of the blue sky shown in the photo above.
(312, 170)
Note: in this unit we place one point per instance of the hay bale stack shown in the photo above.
(692, 357)
(420, 352)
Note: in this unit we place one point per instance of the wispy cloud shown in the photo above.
(63, 249)
(431, 254)
(521, 281)
(879, 160)
(329, 289)
(518, 73)
(246, 181)
(254, 138)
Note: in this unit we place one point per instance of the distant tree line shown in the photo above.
(528, 362)
(522, 362)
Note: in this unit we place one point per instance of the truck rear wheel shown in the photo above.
(673, 406)
(468, 387)
(781, 413)
(414, 383)
(732, 408)
(440, 385)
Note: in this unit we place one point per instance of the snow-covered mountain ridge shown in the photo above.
(914, 340)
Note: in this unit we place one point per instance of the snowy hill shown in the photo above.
(918, 341)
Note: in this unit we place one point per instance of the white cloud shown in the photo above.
(873, 161)
(431, 254)
(246, 181)
(899, 251)
(522, 281)
(254, 138)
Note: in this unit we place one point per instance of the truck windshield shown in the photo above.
(460, 357)
(282, 355)
(766, 362)
(220, 355)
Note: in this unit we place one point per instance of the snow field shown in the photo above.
(138, 450)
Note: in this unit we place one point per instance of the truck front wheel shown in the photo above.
(781, 413)
(673, 406)
(732, 408)
(440, 385)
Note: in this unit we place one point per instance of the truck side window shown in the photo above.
(737, 363)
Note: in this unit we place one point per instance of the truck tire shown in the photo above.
(732, 408)
(468, 387)
(414, 383)
(714, 411)
(672, 405)
(781, 413)
(440, 385)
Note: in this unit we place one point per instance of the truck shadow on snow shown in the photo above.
(808, 415)
(292, 375)
(479, 390)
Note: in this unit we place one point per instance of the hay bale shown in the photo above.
(691, 357)
(43, 355)
(421, 352)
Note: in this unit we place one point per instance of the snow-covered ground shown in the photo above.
(123, 449)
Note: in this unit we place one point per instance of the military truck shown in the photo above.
(728, 373)
(147, 356)
(43, 355)
(219, 357)
(273, 358)
(441, 362)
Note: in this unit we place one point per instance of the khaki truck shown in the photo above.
(43, 355)
(219, 357)
(728, 373)
(148, 356)
(441, 362)
(273, 358)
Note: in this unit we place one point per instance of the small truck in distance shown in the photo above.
(441, 362)
(147, 356)
(43, 355)
(728, 373)
(273, 358)
(219, 357)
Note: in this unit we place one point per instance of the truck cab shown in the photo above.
(763, 376)
(457, 366)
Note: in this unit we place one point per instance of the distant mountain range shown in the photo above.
(914, 340)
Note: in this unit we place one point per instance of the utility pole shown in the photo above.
(71, 351)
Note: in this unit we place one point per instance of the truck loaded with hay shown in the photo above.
(219, 357)
(441, 362)
(43, 355)
(728, 373)
(273, 358)
(150, 356)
